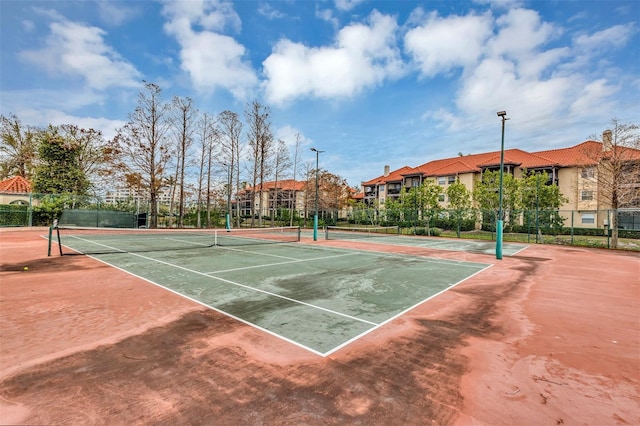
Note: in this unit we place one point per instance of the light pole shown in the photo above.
(315, 217)
(499, 222)
(228, 219)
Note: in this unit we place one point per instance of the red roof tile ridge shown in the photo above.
(15, 184)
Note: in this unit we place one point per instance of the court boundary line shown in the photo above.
(279, 263)
(385, 322)
(466, 263)
(201, 303)
(438, 244)
(374, 327)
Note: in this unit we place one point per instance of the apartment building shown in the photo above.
(574, 169)
(284, 194)
(125, 194)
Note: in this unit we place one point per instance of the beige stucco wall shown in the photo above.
(12, 198)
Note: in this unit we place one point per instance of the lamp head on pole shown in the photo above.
(502, 114)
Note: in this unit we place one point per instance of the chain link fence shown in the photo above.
(590, 228)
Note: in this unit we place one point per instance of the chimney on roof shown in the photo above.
(606, 140)
(386, 171)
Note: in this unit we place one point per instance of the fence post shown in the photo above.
(572, 212)
(608, 229)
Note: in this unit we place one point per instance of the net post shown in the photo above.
(59, 242)
(299, 233)
(50, 236)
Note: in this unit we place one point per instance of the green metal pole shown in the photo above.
(315, 216)
(228, 217)
(499, 222)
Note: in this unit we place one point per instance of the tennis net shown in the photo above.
(85, 240)
(342, 233)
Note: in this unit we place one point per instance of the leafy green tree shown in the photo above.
(421, 202)
(59, 171)
(460, 202)
(486, 196)
(18, 148)
(94, 152)
(542, 199)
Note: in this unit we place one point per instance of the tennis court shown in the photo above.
(319, 298)
(391, 236)
(540, 337)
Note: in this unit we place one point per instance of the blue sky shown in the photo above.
(371, 83)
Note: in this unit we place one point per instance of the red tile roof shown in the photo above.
(586, 153)
(16, 184)
(283, 185)
(395, 176)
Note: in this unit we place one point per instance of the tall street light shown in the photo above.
(315, 217)
(499, 222)
(228, 218)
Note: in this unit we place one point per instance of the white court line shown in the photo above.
(199, 302)
(353, 339)
(279, 263)
(246, 286)
(325, 354)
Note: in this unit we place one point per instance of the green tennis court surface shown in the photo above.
(316, 297)
(393, 238)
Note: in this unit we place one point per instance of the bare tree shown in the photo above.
(618, 170)
(207, 133)
(260, 142)
(18, 148)
(230, 128)
(183, 122)
(296, 161)
(282, 163)
(309, 172)
(142, 144)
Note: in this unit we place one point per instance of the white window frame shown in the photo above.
(588, 218)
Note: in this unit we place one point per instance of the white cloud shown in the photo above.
(362, 56)
(508, 67)
(289, 134)
(212, 60)
(327, 15)
(500, 4)
(346, 5)
(79, 50)
(115, 13)
(441, 44)
(594, 98)
(520, 33)
(266, 10)
(45, 117)
(613, 37)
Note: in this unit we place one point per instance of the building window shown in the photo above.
(441, 198)
(588, 218)
(588, 172)
(586, 195)
(451, 179)
(442, 180)
(381, 189)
